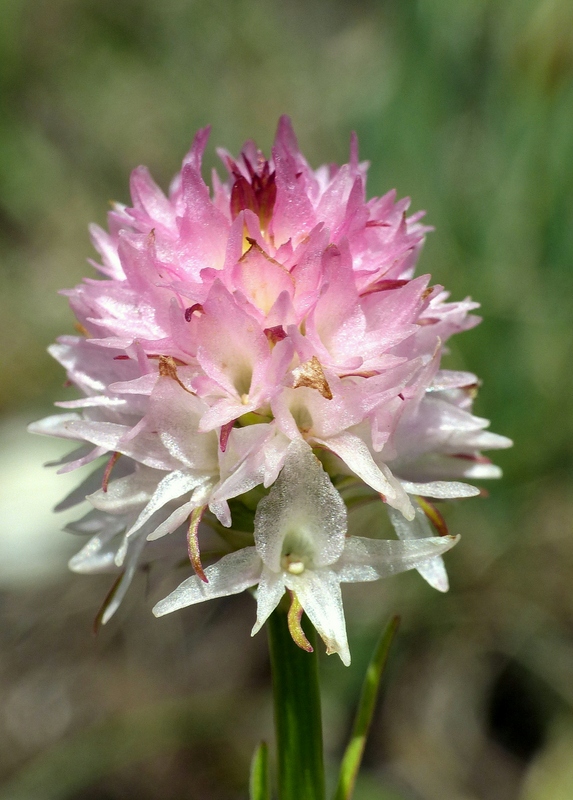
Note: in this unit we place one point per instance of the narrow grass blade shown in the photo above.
(259, 785)
(355, 749)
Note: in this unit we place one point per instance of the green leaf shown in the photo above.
(353, 755)
(259, 785)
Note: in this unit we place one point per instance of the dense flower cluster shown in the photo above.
(238, 337)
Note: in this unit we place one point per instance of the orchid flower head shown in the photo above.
(235, 333)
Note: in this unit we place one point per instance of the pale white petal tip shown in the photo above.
(121, 554)
(343, 652)
(469, 490)
(441, 490)
(434, 573)
(451, 541)
(160, 609)
(406, 509)
(77, 564)
(108, 614)
(173, 602)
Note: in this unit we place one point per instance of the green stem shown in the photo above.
(298, 720)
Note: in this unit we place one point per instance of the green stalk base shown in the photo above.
(298, 721)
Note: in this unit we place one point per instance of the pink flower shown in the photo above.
(234, 332)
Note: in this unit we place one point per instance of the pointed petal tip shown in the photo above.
(285, 134)
(441, 490)
(107, 615)
(163, 607)
(451, 540)
(354, 150)
(343, 653)
(201, 138)
(75, 564)
(407, 510)
(156, 610)
(121, 554)
(284, 123)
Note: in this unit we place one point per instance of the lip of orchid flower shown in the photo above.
(234, 330)
(301, 546)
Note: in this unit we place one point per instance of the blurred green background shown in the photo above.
(468, 108)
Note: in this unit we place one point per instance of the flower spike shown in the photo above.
(236, 334)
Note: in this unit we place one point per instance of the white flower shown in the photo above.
(301, 545)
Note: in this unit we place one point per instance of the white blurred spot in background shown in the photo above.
(33, 547)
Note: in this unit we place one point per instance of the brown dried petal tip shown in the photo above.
(311, 374)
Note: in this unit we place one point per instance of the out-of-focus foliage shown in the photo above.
(468, 108)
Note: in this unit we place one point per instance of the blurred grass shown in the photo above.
(466, 107)
(117, 743)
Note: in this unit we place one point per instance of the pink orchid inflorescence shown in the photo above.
(269, 333)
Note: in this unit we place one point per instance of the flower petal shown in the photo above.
(370, 559)
(170, 487)
(319, 594)
(433, 571)
(304, 506)
(131, 562)
(230, 575)
(126, 494)
(443, 490)
(178, 517)
(270, 590)
(98, 555)
(356, 455)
